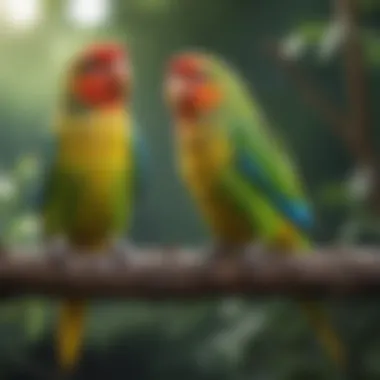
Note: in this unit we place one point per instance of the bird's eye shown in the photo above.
(197, 77)
(90, 66)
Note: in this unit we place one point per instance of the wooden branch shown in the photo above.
(154, 274)
(359, 122)
(360, 126)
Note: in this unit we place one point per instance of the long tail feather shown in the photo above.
(70, 333)
(327, 336)
(289, 239)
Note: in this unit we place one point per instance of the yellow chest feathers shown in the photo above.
(95, 141)
(203, 151)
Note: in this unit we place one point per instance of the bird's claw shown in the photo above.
(58, 251)
(218, 251)
(222, 251)
(121, 251)
(253, 251)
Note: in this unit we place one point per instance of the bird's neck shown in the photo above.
(71, 105)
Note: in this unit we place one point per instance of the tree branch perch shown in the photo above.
(154, 274)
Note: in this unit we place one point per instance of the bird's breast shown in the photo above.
(96, 147)
(202, 161)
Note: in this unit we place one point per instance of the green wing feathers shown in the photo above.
(259, 159)
(264, 185)
(59, 201)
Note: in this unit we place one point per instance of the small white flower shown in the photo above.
(332, 39)
(360, 183)
(293, 46)
(231, 342)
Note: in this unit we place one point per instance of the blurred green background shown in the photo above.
(229, 339)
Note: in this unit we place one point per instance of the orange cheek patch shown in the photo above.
(198, 99)
(207, 97)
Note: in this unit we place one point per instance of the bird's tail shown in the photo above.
(70, 333)
(328, 338)
(314, 312)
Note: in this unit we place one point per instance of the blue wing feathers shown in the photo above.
(296, 210)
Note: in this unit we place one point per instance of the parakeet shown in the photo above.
(96, 172)
(236, 169)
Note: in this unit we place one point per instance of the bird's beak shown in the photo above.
(121, 71)
(121, 76)
(175, 89)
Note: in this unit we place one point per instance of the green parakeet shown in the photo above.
(96, 171)
(237, 172)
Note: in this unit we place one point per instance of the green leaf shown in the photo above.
(26, 168)
(24, 230)
(34, 320)
(312, 31)
(293, 46)
(368, 6)
(371, 46)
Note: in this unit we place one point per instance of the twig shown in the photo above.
(313, 94)
(353, 126)
(359, 122)
(360, 126)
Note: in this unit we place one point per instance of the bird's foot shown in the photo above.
(121, 251)
(253, 251)
(58, 251)
(219, 250)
